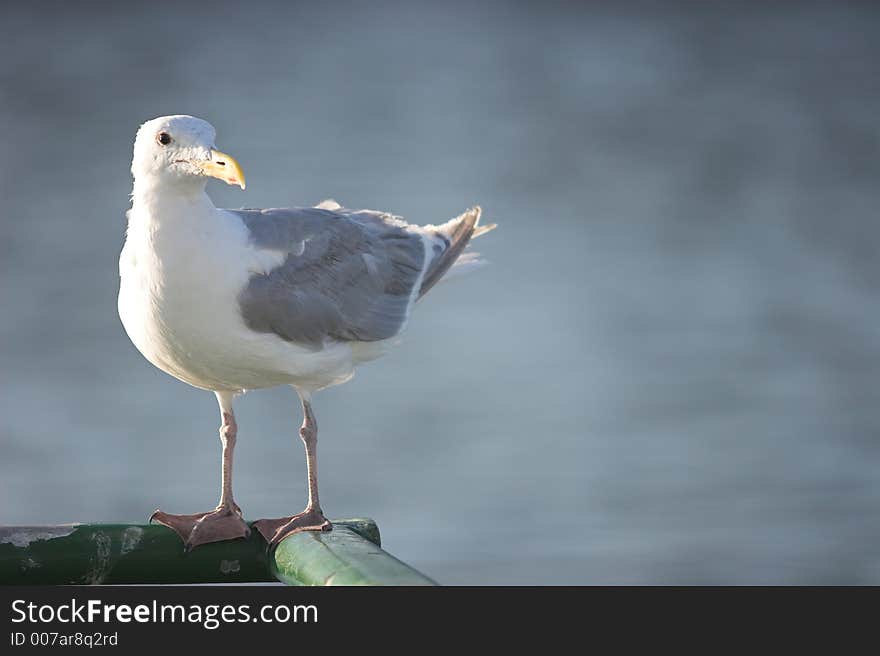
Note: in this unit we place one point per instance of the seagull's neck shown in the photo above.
(154, 202)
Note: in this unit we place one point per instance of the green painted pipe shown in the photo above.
(123, 553)
(137, 553)
(340, 557)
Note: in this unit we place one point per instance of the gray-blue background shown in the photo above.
(669, 373)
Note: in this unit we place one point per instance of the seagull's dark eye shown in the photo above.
(163, 138)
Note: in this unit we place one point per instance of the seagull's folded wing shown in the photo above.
(348, 275)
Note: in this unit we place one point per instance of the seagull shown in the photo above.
(236, 300)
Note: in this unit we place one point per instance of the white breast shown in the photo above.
(178, 300)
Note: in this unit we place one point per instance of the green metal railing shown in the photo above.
(350, 554)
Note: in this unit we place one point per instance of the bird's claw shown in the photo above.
(202, 528)
(275, 530)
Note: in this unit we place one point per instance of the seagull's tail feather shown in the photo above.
(482, 230)
(455, 235)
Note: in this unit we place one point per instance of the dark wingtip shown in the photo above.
(459, 232)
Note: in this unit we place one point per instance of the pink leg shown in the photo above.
(312, 518)
(225, 521)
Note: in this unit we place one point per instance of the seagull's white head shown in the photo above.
(179, 150)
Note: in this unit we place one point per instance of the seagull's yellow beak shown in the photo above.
(223, 167)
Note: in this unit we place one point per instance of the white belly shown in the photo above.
(178, 302)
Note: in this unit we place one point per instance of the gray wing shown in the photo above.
(348, 275)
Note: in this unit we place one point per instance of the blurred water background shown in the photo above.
(668, 374)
